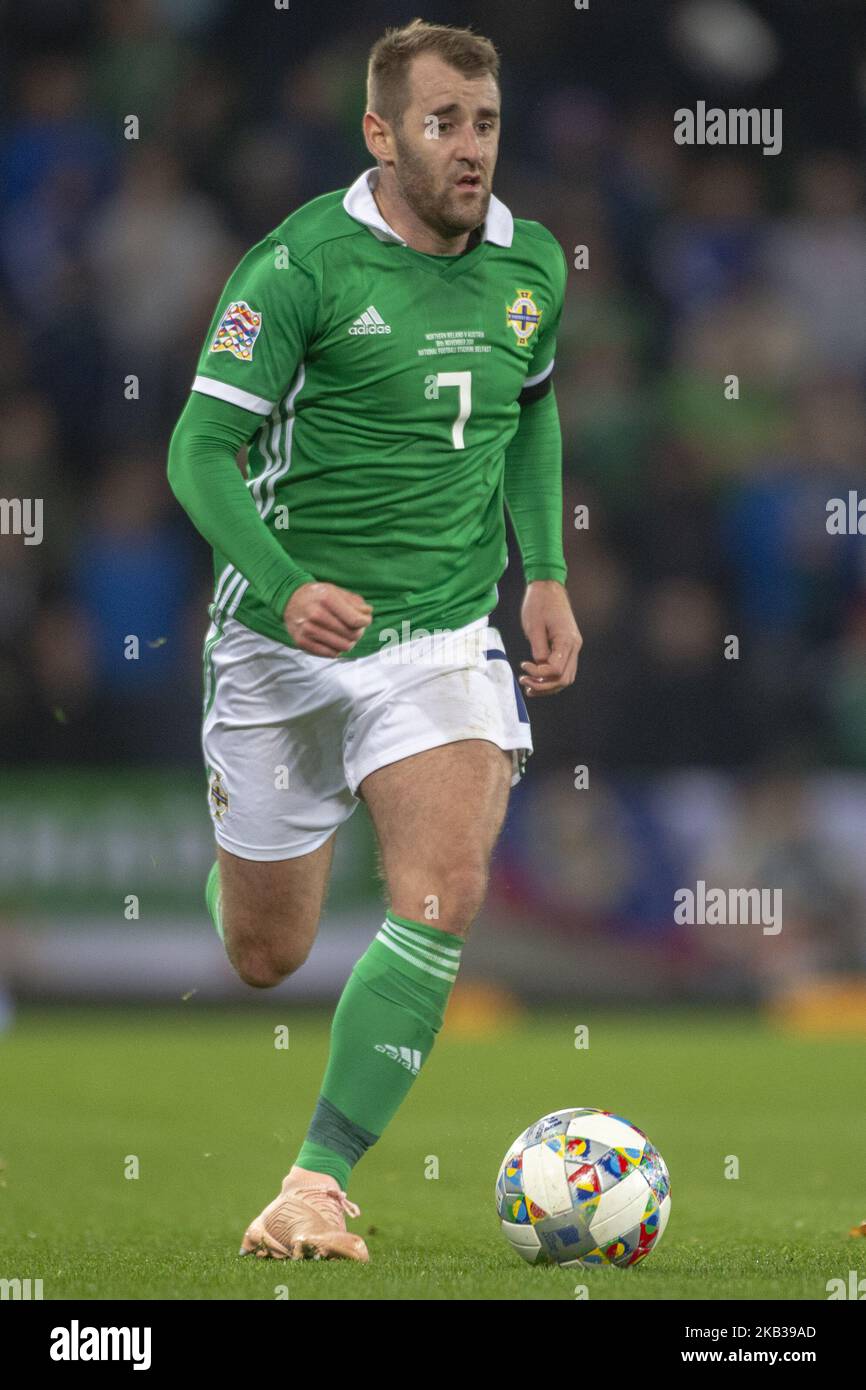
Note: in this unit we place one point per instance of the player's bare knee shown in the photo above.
(448, 898)
(256, 971)
(464, 891)
(262, 967)
(264, 951)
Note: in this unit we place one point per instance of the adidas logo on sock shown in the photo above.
(408, 1057)
(370, 321)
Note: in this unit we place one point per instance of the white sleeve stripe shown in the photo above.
(233, 394)
(534, 380)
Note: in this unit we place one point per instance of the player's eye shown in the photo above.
(444, 125)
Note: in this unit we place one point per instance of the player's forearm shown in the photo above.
(205, 479)
(533, 490)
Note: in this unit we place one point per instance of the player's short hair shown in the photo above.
(392, 55)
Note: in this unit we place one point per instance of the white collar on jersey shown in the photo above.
(360, 204)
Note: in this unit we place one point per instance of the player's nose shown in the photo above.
(469, 149)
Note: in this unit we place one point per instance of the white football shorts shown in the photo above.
(288, 737)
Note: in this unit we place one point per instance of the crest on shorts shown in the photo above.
(219, 797)
(237, 332)
(524, 316)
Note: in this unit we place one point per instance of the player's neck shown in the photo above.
(417, 234)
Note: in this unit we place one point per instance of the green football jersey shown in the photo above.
(387, 382)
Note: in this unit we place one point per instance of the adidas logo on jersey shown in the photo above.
(408, 1057)
(370, 321)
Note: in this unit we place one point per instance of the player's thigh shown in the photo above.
(271, 908)
(437, 815)
(272, 741)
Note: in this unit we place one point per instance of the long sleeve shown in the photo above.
(205, 479)
(533, 489)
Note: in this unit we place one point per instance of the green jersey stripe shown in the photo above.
(231, 586)
(223, 391)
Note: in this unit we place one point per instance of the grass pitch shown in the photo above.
(213, 1113)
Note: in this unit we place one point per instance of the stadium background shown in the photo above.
(707, 517)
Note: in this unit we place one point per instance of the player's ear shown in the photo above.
(378, 136)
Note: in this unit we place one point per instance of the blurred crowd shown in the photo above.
(705, 516)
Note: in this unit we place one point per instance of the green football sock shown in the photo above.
(383, 1030)
(213, 898)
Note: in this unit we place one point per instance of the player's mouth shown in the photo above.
(469, 181)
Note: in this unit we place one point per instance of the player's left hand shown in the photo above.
(554, 637)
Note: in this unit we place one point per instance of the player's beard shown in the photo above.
(439, 208)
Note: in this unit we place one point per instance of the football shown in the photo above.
(583, 1187)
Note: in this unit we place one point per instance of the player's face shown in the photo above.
(446, 145)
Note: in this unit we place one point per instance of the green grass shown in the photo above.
(215, 1113)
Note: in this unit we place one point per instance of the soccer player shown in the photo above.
(386, 356)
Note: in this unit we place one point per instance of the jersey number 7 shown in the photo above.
(463, 382)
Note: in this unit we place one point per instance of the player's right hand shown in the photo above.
(326, 620)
